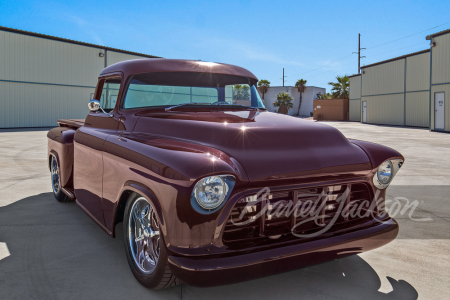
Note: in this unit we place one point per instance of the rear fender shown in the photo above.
(60, 145)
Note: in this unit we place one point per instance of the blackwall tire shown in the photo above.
(144, 247)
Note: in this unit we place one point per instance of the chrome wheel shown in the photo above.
(143, 234)
(55, 176)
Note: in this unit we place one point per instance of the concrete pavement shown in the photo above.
(51, 250)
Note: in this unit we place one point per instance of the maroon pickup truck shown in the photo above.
(212, 188)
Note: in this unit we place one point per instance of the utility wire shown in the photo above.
(325, 65)
(405, 37)
(397, 49)
(368, 49)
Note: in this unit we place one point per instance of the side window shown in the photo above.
(109, 93)
(238, 94)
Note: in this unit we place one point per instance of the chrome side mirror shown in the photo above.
(94, 105)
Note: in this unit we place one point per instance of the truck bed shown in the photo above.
(72, 123)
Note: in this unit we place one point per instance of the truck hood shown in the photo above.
(267, 145)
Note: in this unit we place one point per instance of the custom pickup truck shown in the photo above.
(210, 187)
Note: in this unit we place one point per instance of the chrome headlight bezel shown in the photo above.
(197, 195)
(394, 165)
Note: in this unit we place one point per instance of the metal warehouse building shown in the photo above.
(407, 90)
(45, 78)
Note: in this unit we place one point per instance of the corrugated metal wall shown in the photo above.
(418, 72)
(385, 109)
(355, 87)
(417, 90)
(42, 80)
(441, 60)
(355, 110)
(355, 99)
(387, 78)
(39, 105)
(417, 109)
(33, 59)
(397, 92)
(440, 75)
(383, 88)
(115, 57)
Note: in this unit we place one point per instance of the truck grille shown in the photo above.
(270, 226)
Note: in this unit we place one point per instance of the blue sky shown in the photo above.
(310, 39)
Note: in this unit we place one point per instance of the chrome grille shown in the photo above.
(272, 226)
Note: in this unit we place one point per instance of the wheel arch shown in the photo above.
(136, 187)
(49, 161)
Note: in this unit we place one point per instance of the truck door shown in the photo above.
(88, 151)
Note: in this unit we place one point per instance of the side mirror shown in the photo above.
(94, 105)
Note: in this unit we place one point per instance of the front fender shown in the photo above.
(377, 153)
(165, 172)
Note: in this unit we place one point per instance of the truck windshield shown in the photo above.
(169, 89)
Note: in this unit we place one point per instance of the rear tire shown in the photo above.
(56, 182)
(144, 246)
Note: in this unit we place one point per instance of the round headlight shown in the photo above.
(385, 172)
(210, 192)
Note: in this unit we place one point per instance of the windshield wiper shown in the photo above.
(238, 105)
(183, 104)
(215, 103)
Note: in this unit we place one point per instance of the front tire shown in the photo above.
(144, 247)
(56, 181)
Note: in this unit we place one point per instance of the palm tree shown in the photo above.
(263, 86)
(301, 87)
(323, 96)
(341, 87)
(284, 102)
(241, 92)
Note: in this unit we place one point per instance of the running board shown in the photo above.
(68, 193)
